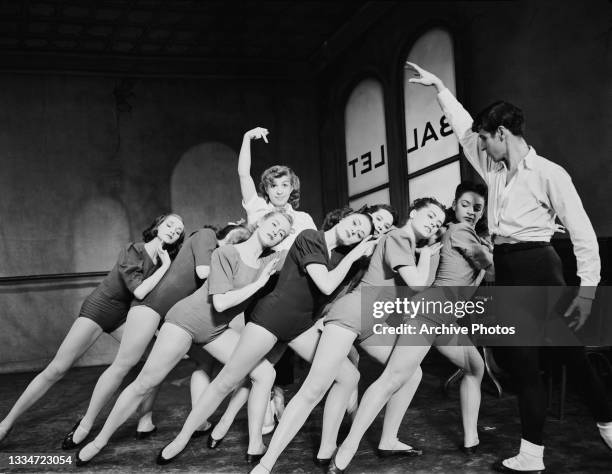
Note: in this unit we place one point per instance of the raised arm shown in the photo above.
(328, 280)
(459, 119)
(247, 185)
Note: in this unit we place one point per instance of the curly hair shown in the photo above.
(151, 232)
(476, 188)
(279, 171)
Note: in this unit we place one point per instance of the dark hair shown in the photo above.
(420, 203)
(377, 207)
(477, 188)
(333, 217)
(278, 171)
(151, 232)
(498, 114)
(239, 233)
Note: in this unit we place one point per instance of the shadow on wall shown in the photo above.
(205, 188)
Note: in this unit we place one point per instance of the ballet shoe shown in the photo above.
(162, 461)
(388, 453)
(323, 462)
(500, 467)
(145, 434)
(253, 458)
(469, 450)
(68, 443)
(333, 469)
(200, 433)
(79, 462)
(213, 443)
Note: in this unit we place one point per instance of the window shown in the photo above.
(432, 148)
(367, 167)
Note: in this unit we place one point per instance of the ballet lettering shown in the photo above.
(364, 163)
(429, 133)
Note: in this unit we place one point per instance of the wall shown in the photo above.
(553, 59)
(87, 164)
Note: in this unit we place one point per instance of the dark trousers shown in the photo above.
(539, 265)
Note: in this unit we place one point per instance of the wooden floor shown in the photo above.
(432, 423)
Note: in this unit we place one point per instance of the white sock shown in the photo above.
(605, 430)
(529, 458)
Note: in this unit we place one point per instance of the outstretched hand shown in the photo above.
(424, 77)
(256, 133)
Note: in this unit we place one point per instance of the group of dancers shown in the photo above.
(250, 291)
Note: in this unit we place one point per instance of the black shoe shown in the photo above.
(323, 462)
(162, 461)
(80, 462)
(68, 443)
(253, 458)
(200, 433)
(145, 434)
(333, 469)
(388, 453)
(499, 467)
(213, 443)
(469, 450)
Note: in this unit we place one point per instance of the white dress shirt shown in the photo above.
(524, 210)
(257, 207)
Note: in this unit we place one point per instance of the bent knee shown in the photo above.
(349, 375)
(393, 380)
(56, 370)
(264, 374)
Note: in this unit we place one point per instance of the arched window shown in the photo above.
(367, 166)
(432, 148)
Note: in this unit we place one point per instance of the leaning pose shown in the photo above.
(236, 274)
(138, 270)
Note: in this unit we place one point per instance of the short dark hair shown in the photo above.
(336, 215)
(151, 232)
(477, 188)
(240, 233)
(377, 207)
(420, 203)
(278, 171)
(497, 114)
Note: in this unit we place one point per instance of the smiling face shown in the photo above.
(382, 220)
(426, 221)
(170, 229)
(279, 191)
(353, 229)
(469, 208)
(273, 229)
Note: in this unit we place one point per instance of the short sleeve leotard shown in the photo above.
(196, 314)
(290, 309)
(181, 279)
(394, 250)
(109, 303)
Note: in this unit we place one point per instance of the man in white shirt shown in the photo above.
(526, 194)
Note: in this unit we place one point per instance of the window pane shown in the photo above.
(429, 138)
(377, 197)
(439, 183)
(366, 141)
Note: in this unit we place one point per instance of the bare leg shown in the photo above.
(171, 345)
(398, 403)
(468, 359)
(139, 329)
(239, 398)
(198, 383)
(254, 344)
(145, 412)
(82, 334)
(402, 365)
(328, 362)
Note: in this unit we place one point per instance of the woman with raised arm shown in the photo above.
(312, 271)
(139, 268)
(237, 272)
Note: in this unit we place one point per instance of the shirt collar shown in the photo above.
(530, 158)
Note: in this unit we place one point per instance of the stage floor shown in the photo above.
(432, 423)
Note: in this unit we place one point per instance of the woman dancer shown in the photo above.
(463, 257)
(186, 274)
(236, 274)
(311, 271)
(138, 270)
(343, 324)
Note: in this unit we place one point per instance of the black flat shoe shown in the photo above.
(499, 467)
(253, 458)
(201, 433)
(145, 434)
(68, 443)
(469, 450)
(388, 453)
(213, 443)
(333, 469)
(323, 462)
(162, 461)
